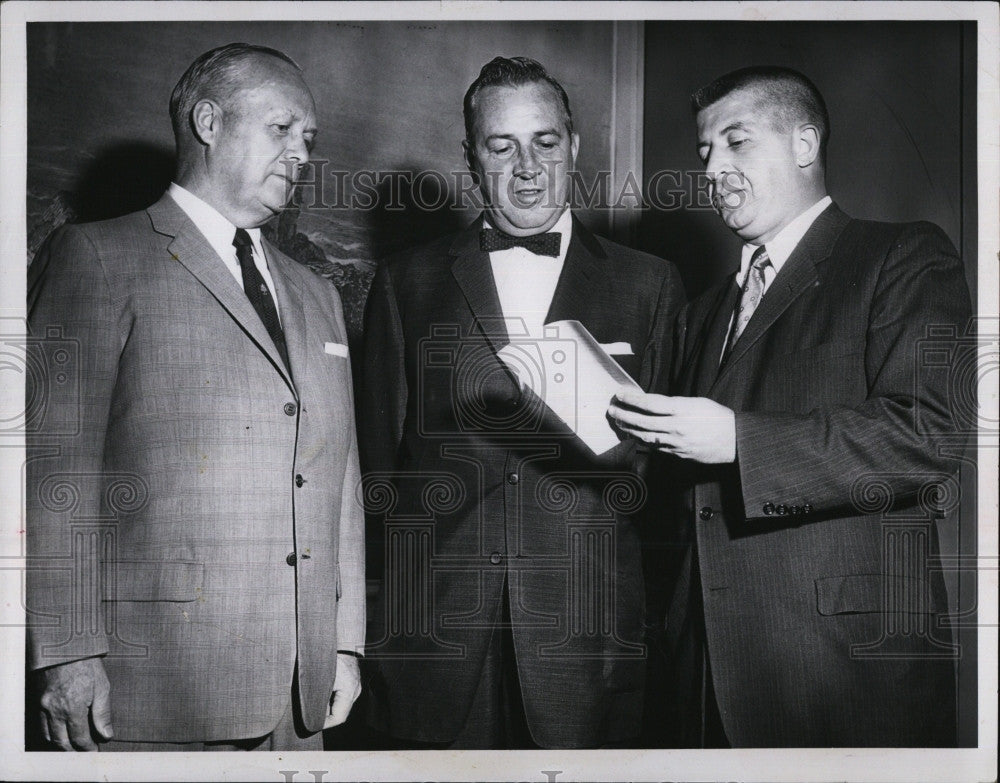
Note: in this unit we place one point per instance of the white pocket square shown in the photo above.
(617, 349)
(335, 349)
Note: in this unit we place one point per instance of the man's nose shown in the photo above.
(527, 164)
(297, 151)
(715, 166)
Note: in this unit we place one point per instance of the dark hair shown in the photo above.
(789, 96)
(510, 72)
(215, 74)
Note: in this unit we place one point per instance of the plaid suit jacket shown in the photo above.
(192, 509)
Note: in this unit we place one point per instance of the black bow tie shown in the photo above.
(491, 240)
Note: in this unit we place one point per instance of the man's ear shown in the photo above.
(574, 147)
(806, 142)
(206, 121)
(469, 155)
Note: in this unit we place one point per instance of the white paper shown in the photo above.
(574, 376)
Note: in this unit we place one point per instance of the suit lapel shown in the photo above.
(190, 248)
(703, 363)
(796, 276)
(474, 275)
(582, 274)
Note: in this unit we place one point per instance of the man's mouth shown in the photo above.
(728, 200)
(528, 197)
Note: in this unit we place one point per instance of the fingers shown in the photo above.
(58, 733)
(343, 700)
(73, 695)
(101, 710)
(655, 404)
(635, 422)
(348, 688)
(79, 732)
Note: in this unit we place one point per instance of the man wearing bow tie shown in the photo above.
(511, 610)
(807, 449)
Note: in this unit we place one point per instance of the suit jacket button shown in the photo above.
(795, 510)
(807, 509)
(299, 481)
(513, 478)
(781, 509)
(291, 408)
(768, 509)
(706, 513)
(291, 558)
(496, 558)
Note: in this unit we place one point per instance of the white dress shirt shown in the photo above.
(220, 233)
(781, 247)
(527, 282)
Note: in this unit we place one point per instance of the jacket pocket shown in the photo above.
(169, 580)
(867, 593)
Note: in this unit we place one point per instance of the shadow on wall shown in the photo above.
(122, 179)
(119, 180)
(413, 208)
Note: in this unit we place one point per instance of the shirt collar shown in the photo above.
(564, 226)
(781, 247)
(216, 229)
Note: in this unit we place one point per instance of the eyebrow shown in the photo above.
(513, 137)
(733, 126)
(738, 125)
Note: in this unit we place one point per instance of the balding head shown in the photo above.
(219, 75)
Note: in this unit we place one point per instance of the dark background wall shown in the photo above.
(901, 98)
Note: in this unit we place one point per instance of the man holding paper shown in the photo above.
(808, 467)
(511, 611)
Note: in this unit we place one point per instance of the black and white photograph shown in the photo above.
(499, 391)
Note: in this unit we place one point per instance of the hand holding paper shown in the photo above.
(694, 428)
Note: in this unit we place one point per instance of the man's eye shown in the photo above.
(281, 128)
(501, 150)
(736, 142)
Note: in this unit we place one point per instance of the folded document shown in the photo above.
(573, 375)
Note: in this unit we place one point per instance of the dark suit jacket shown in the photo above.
(816, 549)
(479, 484)
(161, 481)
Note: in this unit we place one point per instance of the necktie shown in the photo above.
(750, 296)
(258, 293)
(491, 240)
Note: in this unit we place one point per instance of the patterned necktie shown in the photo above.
(258, 293)
(491, 240)
(750, 296)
